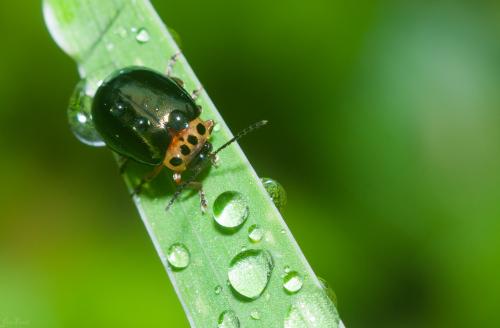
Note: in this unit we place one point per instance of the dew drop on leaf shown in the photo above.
(328, 290)
(217, 289)
(80, 116)
(255, 315)
(312, 310)
(178, 256)
(230, 210)
(292, 282)
(255, 233)
(228, 319)
(142, 35)
(122, 32)
(249, 272)
(275, 191)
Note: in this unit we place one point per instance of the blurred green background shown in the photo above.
(385, 131)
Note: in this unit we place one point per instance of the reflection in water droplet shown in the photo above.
(217, 289)
(292, 282)
(255, 315)
(328, 290)
(142, 35)
(230, 210)
(228, 319)
(249, 272)
(313, 311)
(255, 233)
(178, 256)
(275, 191)
(79, 116)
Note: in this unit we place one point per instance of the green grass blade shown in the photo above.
(102, 36)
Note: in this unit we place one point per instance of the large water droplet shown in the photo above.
(142, 35)
(230, 210)
(249, 272)
(228, 319)
(275, 191)
(292, 282)
(312, 310)
(255, 233)
(178, 256)
(80, 117)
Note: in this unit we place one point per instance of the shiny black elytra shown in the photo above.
(135, 109)
(152, 119)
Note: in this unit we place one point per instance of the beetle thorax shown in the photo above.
(186, 144)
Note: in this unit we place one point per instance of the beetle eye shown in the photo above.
(177, 120)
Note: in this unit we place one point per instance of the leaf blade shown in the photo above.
(101, 37)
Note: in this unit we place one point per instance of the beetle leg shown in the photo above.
(171, 62)
(122, 164)
(177, 177)
(147, 178)
(195, 185)
(196, 92)
(178, 81)
(203, 199)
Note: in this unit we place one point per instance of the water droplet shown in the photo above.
(122, 31)
(328, 290)
(255, 315)
(217, 289)
(287, 269)
(228, 319)
(142, 35)
(249, 272)
(283, 231)
(178, 256)
(216, 127)
(292, 282)
(243, 248)
(230, 210)
(176, 36)
(80, 117)
(255, 233)
(275, 191)
(313, 310)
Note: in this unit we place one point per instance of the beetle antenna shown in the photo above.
(200, 167)
(241, 134)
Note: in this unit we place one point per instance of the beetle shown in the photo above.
(149, 117)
